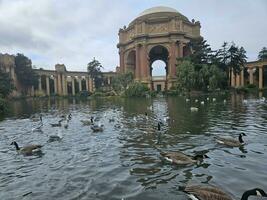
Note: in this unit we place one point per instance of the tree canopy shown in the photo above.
(6, 84)
(94, 70)
(263, 54)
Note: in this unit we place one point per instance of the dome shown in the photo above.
(158, 9)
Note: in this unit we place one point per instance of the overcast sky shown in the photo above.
(74, 31)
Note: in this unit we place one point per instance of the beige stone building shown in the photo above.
(159, 33)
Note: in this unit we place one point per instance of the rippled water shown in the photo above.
(124, 161)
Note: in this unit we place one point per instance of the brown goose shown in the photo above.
(199, 192)
(27, 150)
(232, 142)
(179, 158)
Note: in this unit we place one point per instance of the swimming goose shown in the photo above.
(27, 150)
(194, 109)
(69, 116)
(97, 128)
(57, 137)
(88, 122)
(38, 119)
(232, 142)
(179, 158)
(199, 192)
(38, 128)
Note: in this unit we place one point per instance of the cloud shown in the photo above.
(74, 31)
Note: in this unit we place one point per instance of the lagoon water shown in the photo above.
(123, 161)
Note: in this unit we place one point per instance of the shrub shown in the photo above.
(3, 106)
(136, 89)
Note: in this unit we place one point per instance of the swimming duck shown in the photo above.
(57, 124)
(97, 128)
(180, 158)
(200, 192)
(27, 150)
(194, 109)
(232, 142)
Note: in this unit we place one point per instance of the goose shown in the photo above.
(27, 150)
(97, 128)
(166, 119)
(232, 142)
(200, 192)
(159, 125)
(179, 158)
(38, 119)
(38, 128)
(88, 122)
(57, 124)
(150, 108)
(194, 109)
(69, 116)
(202, 102)
(57, 137)
(245, 101)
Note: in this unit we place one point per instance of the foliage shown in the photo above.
(94, 70)
(136, 89)
(24, 71)
(85, 93)
(263, 54)
(3, 106)
(6, 84)
(122, 81)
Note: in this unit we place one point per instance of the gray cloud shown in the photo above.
(75, 31)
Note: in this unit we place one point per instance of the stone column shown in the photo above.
(242, 78)
(12, 72)
(237, 81)
(80, 83)
(40, 84)
(87, 83)
(172, 67)
(73, 85)
(55, 84)
(108, 80)
(233, 79)
(260, 78)
(181, 49)
(91, 88)
(59, 84)
(137, 63)
(64, 85)
(47, 86)
(250, 76)
(122, 67)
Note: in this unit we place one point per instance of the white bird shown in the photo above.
(224, 101)
(202, 102)
(194, 109)
(165, 119)
(214, 99)
(134, 118)
(196, 100)
(245, 101)
(208, 98)
(150, 108)
(187, 100)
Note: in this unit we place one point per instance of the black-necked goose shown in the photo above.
(88, 122)
(27, 150)
(97, 128)
(57, 124)
(201, 192)
(232, 142)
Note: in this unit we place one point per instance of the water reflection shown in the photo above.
(124, 160)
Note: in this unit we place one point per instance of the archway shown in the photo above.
(159, 67)
(131, 62)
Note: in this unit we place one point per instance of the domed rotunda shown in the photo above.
(158, 33)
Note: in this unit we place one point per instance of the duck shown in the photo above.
(194, 109)
(180, 158)
(159, 125)
(57, 124)
(69, 116)
(203, 192)
(27, 150)
(232, 142)
(88, 122)
(97, 128)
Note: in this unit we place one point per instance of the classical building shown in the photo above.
(159, 33)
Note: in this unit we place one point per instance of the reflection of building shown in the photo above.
(58, 81)
(254, 73)
(159, 33)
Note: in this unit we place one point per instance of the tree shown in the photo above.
(26, 75)
(6, 84)
(94, 70)
(122, 81)
(263, 54)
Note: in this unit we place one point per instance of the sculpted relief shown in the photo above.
(158, 28)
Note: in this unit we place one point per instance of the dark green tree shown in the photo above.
(94, 70)
(263, 54)
(25, 73)
(6, 84)
(122, 81)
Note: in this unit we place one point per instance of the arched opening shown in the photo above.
(130, 62)
(159, 67)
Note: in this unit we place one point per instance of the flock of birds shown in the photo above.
(195, 192)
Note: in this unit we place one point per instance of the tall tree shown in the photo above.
(6, 84)
(263, 54)
(24, 71)
(94, 70)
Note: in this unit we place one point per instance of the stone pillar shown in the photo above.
(91, 88)
(242, 78)
(108, 80)
(12, 72)
(47, 86)
(64, 85)
(87, 83)
(73, 85)
(260, 78)
(237, 80)
(59, 84)
(137, 62)
(181, 49)
(233, 79)
(122, 67)
(172, 66)
(250, 76)
(55, 84)
(80, 83)
(40, 84)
